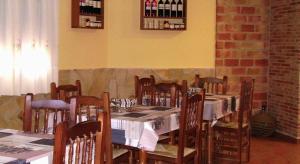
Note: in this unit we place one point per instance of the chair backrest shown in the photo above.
(246, 97)
(164, 91)
(191, 117)
(51, 111)
(212, 84)
(85, 142)
(144, 88)
(98, 106)
(64, 92)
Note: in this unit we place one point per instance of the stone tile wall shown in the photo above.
(119, 82)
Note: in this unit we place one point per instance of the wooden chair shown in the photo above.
(233, 138)
(51, 111)
(81, 143)
(190, 127)
(169, 95)
(144, 88)
(64, 92)
(211, 84)
(90, 107)
(162, 92)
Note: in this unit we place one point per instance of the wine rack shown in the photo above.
(163, 15)
(88, 14)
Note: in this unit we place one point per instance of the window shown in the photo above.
(28, 46)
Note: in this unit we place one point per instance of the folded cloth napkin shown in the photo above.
(123, 102)
(193, 90)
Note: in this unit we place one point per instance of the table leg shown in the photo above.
(209, 142)
(142, 157)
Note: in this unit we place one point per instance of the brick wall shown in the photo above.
(242, 44)
(284, 65)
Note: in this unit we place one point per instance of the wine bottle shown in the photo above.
(147, 7)
(179, 9)
(80, 6)
(173, 8)
(154, 8)
(99, 7)
(161, 8)
(94, 2)
(91, 6)
(88, 7)
(167, 8)
(83, 6)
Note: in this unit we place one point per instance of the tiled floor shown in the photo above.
(274, 151)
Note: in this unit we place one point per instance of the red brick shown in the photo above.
(256, 104)
(260, 96)
(247, 62)
(253, 71)
(240, 18)
(220, 45)
(238, 71)
(229, 45)
(248, 10)
(247, 28)
(224, 36)
(254, 53)
(261, 62)
(220, 9)
(220, 18)
(239, 36)
(231, 62)
(231, 28)
(255, 36)
(254, 19)
(240, 2)
(218, 53)
(227, 54)
(219, 62)
(233, 10)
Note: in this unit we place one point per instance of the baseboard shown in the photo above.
(286, 138)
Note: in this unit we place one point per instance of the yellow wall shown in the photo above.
(123, 45)
(79, 48)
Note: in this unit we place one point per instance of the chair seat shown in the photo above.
(169, 150)
(163, 137)
(231, 125)
(117, 152)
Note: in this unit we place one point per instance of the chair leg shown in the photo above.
(248, 146)
(240, 155)
(142, 157)
(131, 157)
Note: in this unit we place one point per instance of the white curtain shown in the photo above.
(28, 46)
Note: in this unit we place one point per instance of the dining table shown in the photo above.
(140, 126)
(137, 127)
(18, 147)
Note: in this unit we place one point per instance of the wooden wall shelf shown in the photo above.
(168, 15)
(88, 14)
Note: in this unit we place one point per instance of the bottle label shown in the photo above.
(180, 7)
(174, 7)
(161, 6)
(167, 7)
(154, 6)
(99, 4)
(148, 6)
